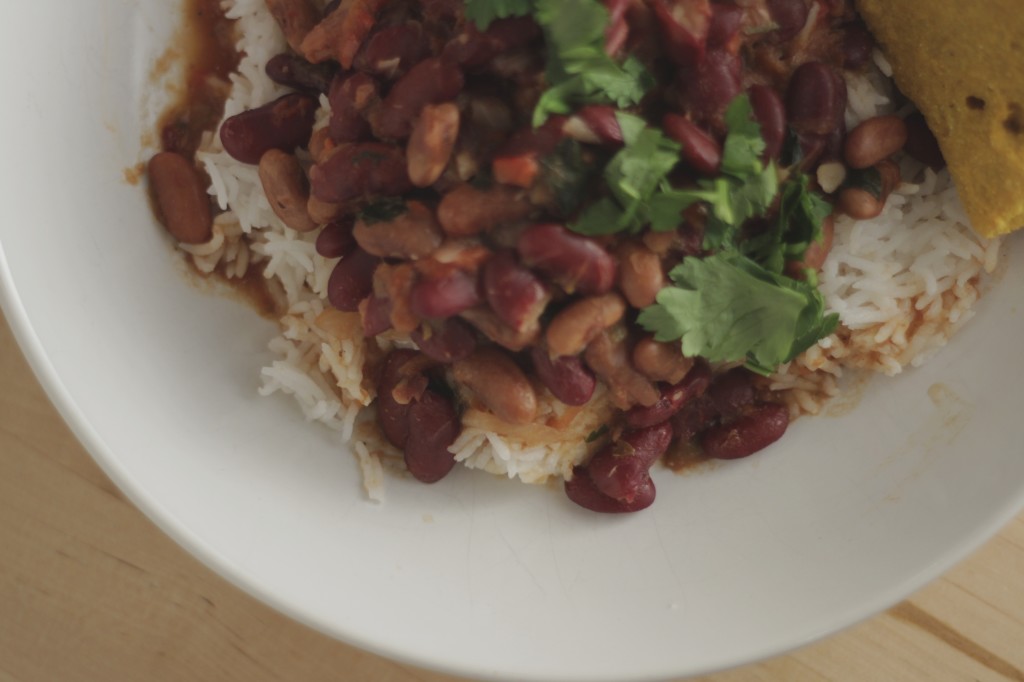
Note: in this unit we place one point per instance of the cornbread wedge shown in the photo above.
(962, 63)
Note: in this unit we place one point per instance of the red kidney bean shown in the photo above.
(582, 491)
(620, 470)
(473, 48)
(393, 416)
(447, 342)
(351, 97)
(181, 198)
(617, 33)
(375, 314)
(726, 22)
(857, 47)
(921, 143)
(331, 6)
(511, 33)
(432, 81)
(790, 16)
(352, 280)
(813, 149)
(392, 50)
(732, 391)
(695, 417)
(755, 430)
(566, 377)
(771, 115)
(649, 443)
(284, 124)
(439, 297)
(296, 73)
(578, 264)
(515, 294)
(672, 398)
(602, 120)
(708, 89)
(336, 240)
(684, 26)
(354, 170)
(701, 152)
(816, 99)
(433, 427)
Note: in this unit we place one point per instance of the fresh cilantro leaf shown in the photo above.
(741, 154)
(798, 224)
(634, 176)
(727, 308)
(578, 69)
(736, 202)
(483, 12)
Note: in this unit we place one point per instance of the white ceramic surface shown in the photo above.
(474, 575)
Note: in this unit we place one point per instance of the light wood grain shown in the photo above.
(90, 590)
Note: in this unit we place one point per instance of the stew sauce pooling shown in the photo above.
(494, 201)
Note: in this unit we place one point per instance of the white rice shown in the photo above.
(902, 284)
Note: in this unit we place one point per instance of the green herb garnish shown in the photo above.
(483, 12)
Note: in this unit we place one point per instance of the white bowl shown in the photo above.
(474, 575)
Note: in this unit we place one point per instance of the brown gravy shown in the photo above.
(206, 43)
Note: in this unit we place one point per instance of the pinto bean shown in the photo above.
(581, 490)
(433, 426)
(296, 19)
(323, 212)
(432, 142)
(354, 170)
(351, 280)
(287, 189)
(181, 198)
(661, 361)
(566, 377)
(859, 204)
(467, 211)
(701, 152)
(284, 124)
(577, 325)
(875, 140)
(499, 384)
(515, 294)
(432, 81)
(578, 264)
(755, 430)
(672, 399)
(298, 74)
(640, 274)
(608, 356)
(487, 322)
(411, 235)
(816, 99)
(341, 33)
(447, 341)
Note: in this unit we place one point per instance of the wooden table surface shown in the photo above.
(91, 590)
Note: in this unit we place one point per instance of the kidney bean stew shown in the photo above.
(562, 193)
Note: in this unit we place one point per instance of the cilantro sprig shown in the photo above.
(727, 308)
(579, 71)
